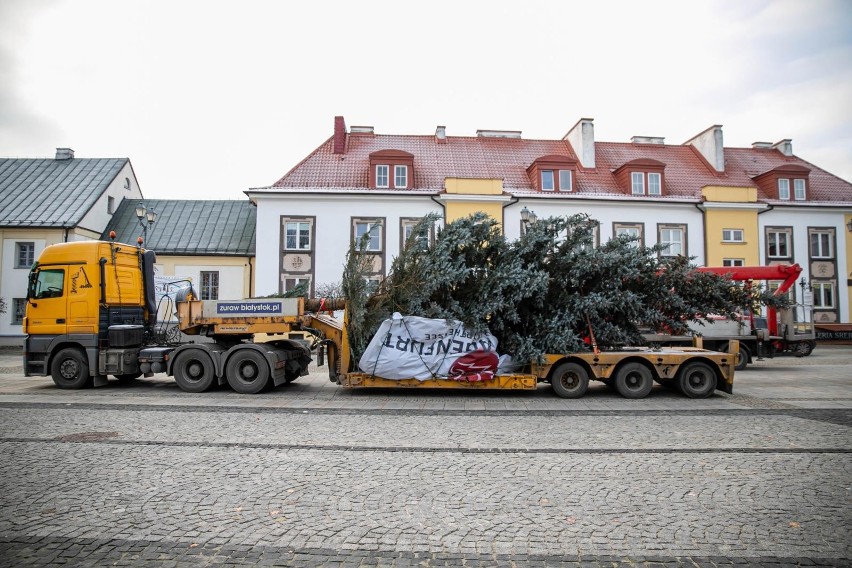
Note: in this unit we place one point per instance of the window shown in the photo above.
(778, 243)
(382, 176)
(565, 180)
(297, 235)
(799, 189)
(110, 204)
(400, 176)
(547, 183)
(373, 230)
(732, 235)
(654, 184)
(293, 282)
(210, 285)
(48, 284)
(821, 244)
(19, 309)
(24, 255)
(823, 294)
(407, 226)
(372, 284)
(391, 169)
(674, 237)
(631, 230)
(783, 188)
(637, 183)
(733, 262)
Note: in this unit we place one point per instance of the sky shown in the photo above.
(210, 98)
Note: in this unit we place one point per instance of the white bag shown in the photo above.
(412, 347)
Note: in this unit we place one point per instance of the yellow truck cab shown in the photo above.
(84, 297)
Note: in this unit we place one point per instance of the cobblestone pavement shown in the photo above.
(315, 475)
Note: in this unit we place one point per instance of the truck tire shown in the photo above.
(70, 369)
(193, 370)
(569, 380)
(804, 348)
(247, 371)
(634, 380)
(743, 356)
(697, 380)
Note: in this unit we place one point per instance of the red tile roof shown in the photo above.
(686, 172)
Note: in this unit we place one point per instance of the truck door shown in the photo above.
(47, 309)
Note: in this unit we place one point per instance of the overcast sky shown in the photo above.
(210, 98)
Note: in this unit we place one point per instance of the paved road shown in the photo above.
(315, 475)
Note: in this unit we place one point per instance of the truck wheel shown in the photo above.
(193, 370)
(70, 369)
(569, 380)
(634, 380)
(247, 371)
(697, 380)
(743, 356)
(804, 348)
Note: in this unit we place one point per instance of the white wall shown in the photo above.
(333, 226)
(97, 218)
(800, 218)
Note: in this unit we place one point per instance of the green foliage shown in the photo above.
(300, 291)
(541, 293)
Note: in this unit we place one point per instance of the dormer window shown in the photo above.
(785, 183)
(637, 183)
(391, 169)
(641, 177)
(553, 173)
(382, 175)
(400, 177)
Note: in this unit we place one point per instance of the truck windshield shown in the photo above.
(47, 284)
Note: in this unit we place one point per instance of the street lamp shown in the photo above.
(142, 215)
(528, 217)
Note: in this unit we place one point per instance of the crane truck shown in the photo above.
(786, 330)
(91, 312)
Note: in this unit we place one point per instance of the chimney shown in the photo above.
(784, 146)
(441, 134)
(582, 139)
(761, 145)
(709, 144)
(498, 133)
(339, 135)
(659, 140)
(64, 153)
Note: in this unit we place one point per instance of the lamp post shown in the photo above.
(146, 218)
(528, 217)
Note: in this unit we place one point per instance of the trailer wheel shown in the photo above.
(70, 369)
(697, 380)
(193, 370)
(634, 380)
(569, 380)
(247, 371)
(743, 356)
